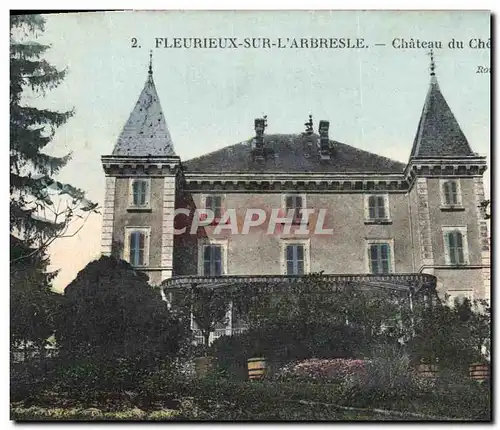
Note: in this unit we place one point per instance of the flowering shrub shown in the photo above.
(337, 369)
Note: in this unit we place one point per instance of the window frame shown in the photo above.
(202, 243)
(297, 220)
(147, 204)
(126, 249)
(369, 220)
(465, 245)
(203, 204)
(307, 257)
(444, 204)
(392, 259)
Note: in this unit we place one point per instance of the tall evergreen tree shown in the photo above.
(41, 208)
(34, 216)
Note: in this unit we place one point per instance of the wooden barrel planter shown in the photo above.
(428, 370)
(202, 365)
(479, 372)
(256, 367)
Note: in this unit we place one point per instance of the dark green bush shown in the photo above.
(284, 343)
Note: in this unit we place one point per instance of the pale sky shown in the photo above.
(372, 97)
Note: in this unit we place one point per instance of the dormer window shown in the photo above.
(377, 208)
(140, 190)
(450, 194)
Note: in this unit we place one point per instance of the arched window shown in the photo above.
(450, 193)
(137, 241)
(455, 246)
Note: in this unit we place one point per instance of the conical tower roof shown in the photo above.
(438, 133)
(146, 132)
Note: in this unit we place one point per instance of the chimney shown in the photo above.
(324, 141)
(260, 126)
(309, 126)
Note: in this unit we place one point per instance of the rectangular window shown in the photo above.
(294, 257)
(214, 203)
(450, 193)
(139, 189)
(137, 248)
(294, 203)
(455, 247)
(379, 255)
(212, 260)
(376, 207)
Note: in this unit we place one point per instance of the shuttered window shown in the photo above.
(137, 248)
(376, 207)
(212, 260)
(379, 255)
(455, 246)
(139, 192)
(214, 203)
(450, 193)
(294, 257)
(295, 204)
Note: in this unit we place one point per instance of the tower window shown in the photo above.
(455, 245)
(139, 193)
(137, 246)
(450, 193)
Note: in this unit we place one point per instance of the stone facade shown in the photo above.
(337, 178)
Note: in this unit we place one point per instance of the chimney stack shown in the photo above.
(260, 126)
(309, 126)
(324, 141)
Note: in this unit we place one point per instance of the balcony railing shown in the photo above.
(393, 281)
(199, 340)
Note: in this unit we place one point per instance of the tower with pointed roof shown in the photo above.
(448, 189)
(141, 178)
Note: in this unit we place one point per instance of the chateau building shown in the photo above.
(356, 215)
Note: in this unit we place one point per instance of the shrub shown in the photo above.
(321, 370)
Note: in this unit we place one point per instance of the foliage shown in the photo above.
(485, 207)
(35, 216)
(208, 307)
(322, 370)
(33, 306)
(312, 319)
(453, 335)
(36, 219)
(111, 312)
(377, 315)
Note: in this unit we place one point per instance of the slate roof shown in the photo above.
(292, 153)
(146, 132)
(438, 132)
